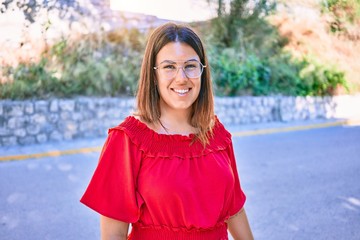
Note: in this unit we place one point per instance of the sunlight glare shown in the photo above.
(186, 11)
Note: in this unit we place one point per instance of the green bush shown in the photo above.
(248, 58)
(106, 64)
(250, 62)
(318, 79)
(31, 80)
(235, 74)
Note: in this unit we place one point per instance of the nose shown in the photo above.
(181, 75)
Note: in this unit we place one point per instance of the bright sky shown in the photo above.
(184, 10)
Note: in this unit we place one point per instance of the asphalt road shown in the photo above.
(299, 185)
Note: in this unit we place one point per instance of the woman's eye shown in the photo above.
(190, 66)
(169, 67)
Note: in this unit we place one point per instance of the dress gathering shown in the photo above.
(162, 183)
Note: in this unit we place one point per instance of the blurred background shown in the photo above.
(67, 48)
(69, 71)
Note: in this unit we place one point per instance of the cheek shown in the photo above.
(162, 88)
(198, 86)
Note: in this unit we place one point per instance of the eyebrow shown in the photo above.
(171, 61)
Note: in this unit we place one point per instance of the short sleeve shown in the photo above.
(112, 191)
(238, 198)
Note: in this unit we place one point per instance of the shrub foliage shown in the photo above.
(246, 55)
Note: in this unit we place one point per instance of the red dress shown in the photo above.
(165, 186)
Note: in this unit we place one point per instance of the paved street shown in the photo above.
(299, 184)
(302, 185)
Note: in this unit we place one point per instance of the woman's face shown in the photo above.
(177, 90)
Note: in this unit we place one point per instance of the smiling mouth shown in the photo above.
(181, 91)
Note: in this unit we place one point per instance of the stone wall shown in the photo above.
(40, 121)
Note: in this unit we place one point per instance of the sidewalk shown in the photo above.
(95, 144)
(280, 174)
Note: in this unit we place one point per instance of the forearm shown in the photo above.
(112, 229)
(239, 226)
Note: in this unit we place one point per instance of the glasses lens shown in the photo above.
(168, 70)
(192, 69)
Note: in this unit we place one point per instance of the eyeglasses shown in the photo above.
(169, 69)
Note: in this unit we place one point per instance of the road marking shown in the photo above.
(51, 154)
(295, 128)
(350, 122)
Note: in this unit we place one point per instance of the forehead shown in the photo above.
(177, 52)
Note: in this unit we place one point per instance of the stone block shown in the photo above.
(88, 115)
(56, 136)
(38, 119)
(245, 120)
(271, 101)
(237, 120)
(41, 138)
(41, 106)
(100, 114)
(17, 122)
(86, 125)
(256, 101)
(5, 131)
(3, 121)
(33, 129)
(68, 136)
(54, 105)
(123, 104)
(255, 119)
(66, 115)
(20, 132)
(77, 116)
(9, 141)
(48, 128)
(91, 105)
(237, 101)
(53, 118)
(29, 108)
(275, 114)
(100, 103)
(67, 126)
(89, 134)
(286, 115)
(27, 140)
(81, 105)
(13, 109)
(67, 105)
(112, 103)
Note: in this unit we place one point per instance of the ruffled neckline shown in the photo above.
(155, 144)
(178, 137)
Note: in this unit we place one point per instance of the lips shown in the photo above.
(181, 91)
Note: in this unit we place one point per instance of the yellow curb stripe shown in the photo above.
(50, 154)
(285, 129)
(235, 134)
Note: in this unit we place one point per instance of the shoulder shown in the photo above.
(131, 124)
(133, 130)
(219, 129)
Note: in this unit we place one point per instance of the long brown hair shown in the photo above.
(148, 99)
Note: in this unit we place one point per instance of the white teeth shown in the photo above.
(181, 91)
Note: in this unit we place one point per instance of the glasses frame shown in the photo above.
(182, 67)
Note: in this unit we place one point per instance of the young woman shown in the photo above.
(170, 168)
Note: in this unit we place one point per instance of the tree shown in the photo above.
(229, 24)
(31, 8)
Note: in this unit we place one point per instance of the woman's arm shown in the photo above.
(112, 229)
(239, 227)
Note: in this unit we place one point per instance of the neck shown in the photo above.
(175, 122)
